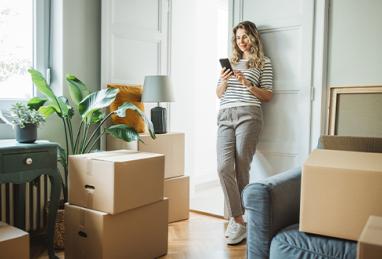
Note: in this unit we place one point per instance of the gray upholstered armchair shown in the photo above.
(272, 208)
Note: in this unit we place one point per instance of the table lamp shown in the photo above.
(156, 89)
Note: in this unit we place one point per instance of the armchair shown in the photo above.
(273, 205)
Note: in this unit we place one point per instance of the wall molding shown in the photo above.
(280, 28)
(286, 91)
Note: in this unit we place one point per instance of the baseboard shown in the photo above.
(207, 214)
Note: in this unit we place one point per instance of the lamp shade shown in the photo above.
(157, 88)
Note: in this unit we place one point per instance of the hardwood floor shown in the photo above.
(200, 236)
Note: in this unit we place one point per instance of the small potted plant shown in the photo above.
(26, 120)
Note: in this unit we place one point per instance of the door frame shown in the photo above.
(320, 71)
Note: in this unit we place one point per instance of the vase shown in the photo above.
(28, 134)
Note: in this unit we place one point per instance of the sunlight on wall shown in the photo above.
(197, 45)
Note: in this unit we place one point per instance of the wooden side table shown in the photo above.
(22, 163)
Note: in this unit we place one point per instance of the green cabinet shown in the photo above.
(22, 163)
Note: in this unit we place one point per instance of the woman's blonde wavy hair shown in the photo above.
(256, 58)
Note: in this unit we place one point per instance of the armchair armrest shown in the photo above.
(270, 204)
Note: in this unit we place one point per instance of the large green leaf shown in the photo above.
(64, 101)
(46, 111)
(121, 112)
(97, 116)
(42, 86)
(123, 132)
(96, 101)
(77, 89)
(36, 102)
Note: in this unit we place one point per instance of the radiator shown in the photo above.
(35, 199)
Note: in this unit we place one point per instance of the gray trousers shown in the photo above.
(238, 133)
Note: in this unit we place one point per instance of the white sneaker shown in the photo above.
(238, 234)
(230, 227)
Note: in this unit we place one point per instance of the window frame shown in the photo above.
(41, 46)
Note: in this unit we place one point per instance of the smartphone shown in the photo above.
(224, 62)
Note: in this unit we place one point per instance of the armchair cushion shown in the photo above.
(290, 243)
(271, 205)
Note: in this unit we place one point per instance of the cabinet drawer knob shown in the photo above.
(28, 161)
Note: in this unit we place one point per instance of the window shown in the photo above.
(24, 42)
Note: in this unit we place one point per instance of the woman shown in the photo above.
(240, 119)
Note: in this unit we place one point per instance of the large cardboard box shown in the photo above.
(171, 145)
(115, 181)
(370, 241)
(339, 190)
(177, 190)
(14, 243)
(140, 233)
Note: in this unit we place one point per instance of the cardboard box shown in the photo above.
(140, 233)
(14, 243)
(177, 190)
(339, 190)
(171, 145)
(115, 181)
(370, 242)
(113, 143)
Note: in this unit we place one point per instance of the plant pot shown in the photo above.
(28, 134)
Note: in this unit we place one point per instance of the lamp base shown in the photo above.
(159, 120)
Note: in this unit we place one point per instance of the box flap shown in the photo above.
(8, 232)
(104, 154)
(117, 155)
(345, 159)
(131, 156)
(372, 232)
(101, 213)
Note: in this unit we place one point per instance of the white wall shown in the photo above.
(182, 72)
(353, 51)
(194, 73)
(76, 27)
(355, 37)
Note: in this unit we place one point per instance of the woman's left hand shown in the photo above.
(240, 76)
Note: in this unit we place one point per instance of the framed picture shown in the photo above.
(355, 111)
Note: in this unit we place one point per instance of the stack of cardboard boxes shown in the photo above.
(176, 184)
(116, 206)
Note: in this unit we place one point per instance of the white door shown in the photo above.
(134, 40)
(286, 28)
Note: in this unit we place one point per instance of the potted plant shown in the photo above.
(25, 119)
(92, 108)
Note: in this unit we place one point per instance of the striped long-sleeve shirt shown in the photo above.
(237, 95)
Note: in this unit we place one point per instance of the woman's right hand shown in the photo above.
(225, 74)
